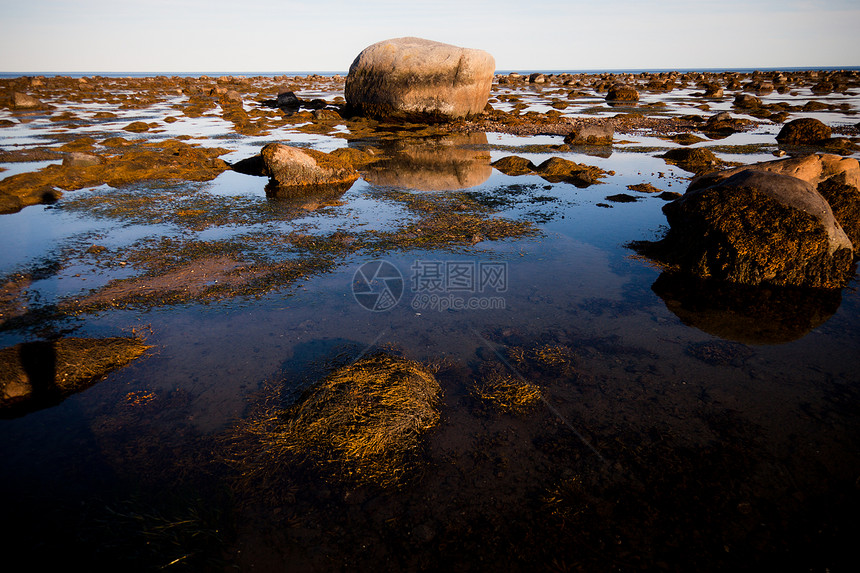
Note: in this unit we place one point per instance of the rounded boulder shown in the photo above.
(418, 79)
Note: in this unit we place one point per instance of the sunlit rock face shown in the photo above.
(433, 163)
(418, 79)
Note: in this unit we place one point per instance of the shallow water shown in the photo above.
(689, 429)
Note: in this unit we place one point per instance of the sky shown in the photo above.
(246, 36)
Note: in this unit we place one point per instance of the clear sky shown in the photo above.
(326, 35)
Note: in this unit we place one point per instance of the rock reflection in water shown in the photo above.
(433, 163)
(307, 197)
(752, 315)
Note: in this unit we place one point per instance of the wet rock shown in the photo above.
(36, 375)
(714, 91)
(358, 158)
(756, 227)
(556, 169)
(644, 188)
(233, 96)
(622, 92)
(844, 200)
(295, 167)
(413, 78)
(25, 101)
(514, 165)
(137, 127)
(802, 131)
(287, 99)
(326, 115)
(747, 101)
(694, 160)
(590, 135)
(537, 79)
(746, 314)
(813, 169)
(622, 198)
(79, 159)
(722, 121)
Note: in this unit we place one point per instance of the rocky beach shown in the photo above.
(431, 317)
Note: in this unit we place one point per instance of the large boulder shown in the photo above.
(757, 227)
(413, 78)
(296, 168)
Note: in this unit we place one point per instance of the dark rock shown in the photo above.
(757, 227)
(287, 99)
(844, 200)
(137, 127)
(622, 198)
(514, 165)
(622, 92)
(413, 78)
(537, 79)
(803, 130)
(251, 166)
(694, 160)
(556, 169)
(747, 101)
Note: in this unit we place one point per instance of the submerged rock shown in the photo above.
(365, 421)
(413, 78)
(36, 375)
(803, 130)
(295, 167)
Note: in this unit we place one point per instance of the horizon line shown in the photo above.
(496, 72)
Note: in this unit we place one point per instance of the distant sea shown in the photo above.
(343, 72)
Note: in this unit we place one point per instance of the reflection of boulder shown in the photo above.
(752, 315)
(308, 197)
(433, 163)
(37, 375)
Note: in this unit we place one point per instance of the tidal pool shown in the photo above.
(680, 425)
